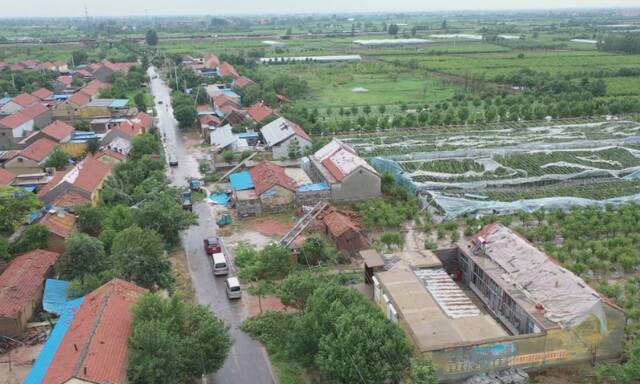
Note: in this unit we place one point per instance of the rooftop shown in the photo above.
(259, 111)
(6, 177)
(58, 130)
(25, 99)
(15, 120)
(281, 129)
(23, 279)
(110, 103)
(340, 160)
(61, 224)
(426, 320)
(96, 347)
(267, 174)
(43, 94)
(39, 150)
(532, 278)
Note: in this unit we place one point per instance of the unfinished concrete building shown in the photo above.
(497, 302)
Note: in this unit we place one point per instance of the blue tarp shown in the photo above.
(220, 198)
(29, 188)
(241, 181)
(230, 93)
(4, 100)
(314, 187)
(55, 296)
(248, 135)
(49, 350)
(119, 103)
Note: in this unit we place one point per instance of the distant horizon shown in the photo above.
(256, 8)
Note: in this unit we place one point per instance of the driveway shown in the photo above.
(248, 362)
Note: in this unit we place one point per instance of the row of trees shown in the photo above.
(627, 43)
(184, 109)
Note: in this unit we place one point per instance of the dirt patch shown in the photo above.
(178, 260)
(574, 374)
(257, 304)
(22, 359)
(273, 226)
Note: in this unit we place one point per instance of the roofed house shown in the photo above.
(59, 131)
(260, 111)
(104, 108)
(211, 61)
(105, 70)
(242, 82)
(344, 229)
(96, 347)
(18, 103)
(275, 189)
(94, 87)
(6, 177)
(281, 133)
(43, 94)
(69, 110)
(13, 129)
(227, 70)
(510, 306)
(62, 83)
(21, 286)
(32, 158)
(85, 178)
(40, 114)
(61, 225)
(351, 178)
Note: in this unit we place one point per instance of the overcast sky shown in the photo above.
(20, 8)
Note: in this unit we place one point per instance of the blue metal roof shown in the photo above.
(55, 296)
(230, 93)
(241, 181)
(119, 103)
(314, 187)
(62, 96)
(248, 135)
(29, 188)
(49, 350)
(220, 198)
(5, 100)
(218, 112)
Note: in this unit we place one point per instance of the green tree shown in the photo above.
(83, 255)
(423, 372)
(140, 101)
(138, 256)
(93, 145)
(393, 29)
(317, 250)
(151, 37)
(390, 239)
(145, 144)
(186, 115)
(58, 159)
(228, 156)
(15, 205)
(294, 149)
(271, 263)
(382, 109)
(165, 215)
(298, 286)
(34, 237)
(90, 219)
(175, 341)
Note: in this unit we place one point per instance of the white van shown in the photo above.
(220, 265)
(233, 288)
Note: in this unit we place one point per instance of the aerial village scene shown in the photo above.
(320, 193)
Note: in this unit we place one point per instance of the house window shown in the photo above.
(20, 159)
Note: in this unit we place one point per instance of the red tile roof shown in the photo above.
(65, 79)
(39, 149)
(209, 120)
(21, 283)
(91, 174)
(94, 86)
(15, 120)
(6, 177)
(221, 100)
(71, 199)
(338, 222)
(204, 108)
(79, 98)
(110, 153)
(243, 81)
(42, 93)
(62, 225)
(259, 111)
(96, 347)
(211, 61)
(35, 110)
(228, 70)
(29, 63)
(266, 175)
(84, 73)
(25, 99)
(58, 130)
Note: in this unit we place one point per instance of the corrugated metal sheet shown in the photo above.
(314, 187)
(241, 181)
(49, 350)
(55, 296)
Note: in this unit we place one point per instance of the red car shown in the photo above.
(212, 245)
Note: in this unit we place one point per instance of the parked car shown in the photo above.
(232, 286)
(187, 201)
(159, 101)
(212, 245)
(220, 266)
(173, 160)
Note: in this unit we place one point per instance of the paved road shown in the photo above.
(247, 362)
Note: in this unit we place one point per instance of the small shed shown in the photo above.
(373, 263)
(343, 228)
